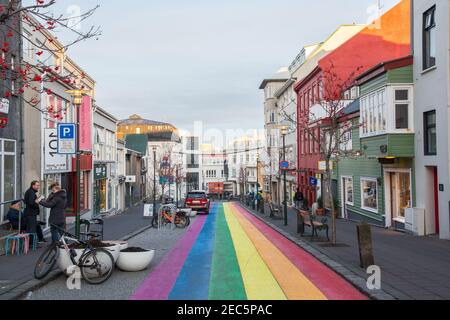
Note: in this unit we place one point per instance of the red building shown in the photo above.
(386, 39)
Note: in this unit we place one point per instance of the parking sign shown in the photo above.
(67, 138)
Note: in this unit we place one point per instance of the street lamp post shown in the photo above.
(77, 96)
(154, 181)
(284, 133)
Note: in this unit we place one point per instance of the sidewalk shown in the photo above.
(414, 268)
(17, 270)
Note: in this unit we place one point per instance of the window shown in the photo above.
(429, 38)
(348, 190)
(373, 113)
(402, 104)
(430, 133)
(7, 173)
(369, 194)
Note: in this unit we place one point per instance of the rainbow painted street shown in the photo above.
(232, 255)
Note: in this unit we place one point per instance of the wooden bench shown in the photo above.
(305, 218)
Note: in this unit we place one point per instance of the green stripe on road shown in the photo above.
(226, 281)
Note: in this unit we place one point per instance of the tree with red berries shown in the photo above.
(18, 75)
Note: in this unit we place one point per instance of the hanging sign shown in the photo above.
(54, 162)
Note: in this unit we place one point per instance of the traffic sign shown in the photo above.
(284, 165)
(67, 138)
(312, 181)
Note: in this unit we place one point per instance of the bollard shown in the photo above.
(365, 245)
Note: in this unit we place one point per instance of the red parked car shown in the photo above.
(198, 201)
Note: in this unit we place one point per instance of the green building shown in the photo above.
(377, 183)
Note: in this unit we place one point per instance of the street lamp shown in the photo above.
(284, 132)
(154, 181)
(77, 98)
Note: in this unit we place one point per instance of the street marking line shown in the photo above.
(293, 282)
(160, 282)
(327, 280)
(226, 280)
(193, 280)
(259, 282)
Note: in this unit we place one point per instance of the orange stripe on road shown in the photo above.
(293, 282)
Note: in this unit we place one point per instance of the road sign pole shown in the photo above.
(285, 183)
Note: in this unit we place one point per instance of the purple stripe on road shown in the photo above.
(161, 281)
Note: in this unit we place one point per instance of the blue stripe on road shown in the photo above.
(193, 281)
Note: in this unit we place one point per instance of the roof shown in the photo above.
(137, 142)
(136, 119)
(384, 67)
(352, 107)
(282, 75)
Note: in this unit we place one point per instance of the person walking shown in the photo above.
(56, 202)
(32, 211)
(299, 198)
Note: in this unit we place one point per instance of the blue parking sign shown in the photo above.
(67, 138)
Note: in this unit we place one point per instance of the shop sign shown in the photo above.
(85, 124)
(100, 172)
(4, 106)
(312, 182)
(53, 162)
(323, 165)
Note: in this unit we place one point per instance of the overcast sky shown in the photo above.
(186, 60)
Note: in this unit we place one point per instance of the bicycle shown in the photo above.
(181, 219)
(96, 264)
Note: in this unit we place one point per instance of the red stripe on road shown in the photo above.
(329, 282)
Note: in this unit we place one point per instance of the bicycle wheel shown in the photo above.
(188, 221)
(181, 222)
(46, 262)
(96, 266)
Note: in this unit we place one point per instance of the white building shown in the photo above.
(192, 163)
(244, 154)
(432, 114)
(106, 179)
(213, 166)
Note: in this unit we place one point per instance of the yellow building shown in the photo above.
(135, 124)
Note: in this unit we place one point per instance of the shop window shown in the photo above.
(369, 194)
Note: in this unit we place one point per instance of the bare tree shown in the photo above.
(324, 124)
(17, 75)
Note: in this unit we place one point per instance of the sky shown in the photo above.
(181, 61)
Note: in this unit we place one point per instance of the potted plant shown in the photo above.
(135, 259)
(320, 210)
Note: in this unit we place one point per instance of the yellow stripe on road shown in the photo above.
(259, 282)
(294, 283)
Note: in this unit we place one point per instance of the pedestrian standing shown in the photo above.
(299, 198)
(56, 202)
(32, 211)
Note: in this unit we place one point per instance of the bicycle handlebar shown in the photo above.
(64, 232)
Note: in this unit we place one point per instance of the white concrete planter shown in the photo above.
(189, 212)
(122, 245)
(135, 261)
(65, 262)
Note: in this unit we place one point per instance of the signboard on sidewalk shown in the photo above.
(67, 138)
(148, 210)
(53, 162)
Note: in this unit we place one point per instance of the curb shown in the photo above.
(353, 278)
(21, 290)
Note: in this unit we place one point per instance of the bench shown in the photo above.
(305, 218)
(275, 210)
